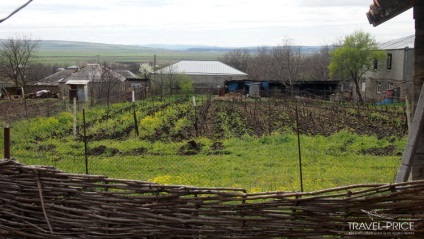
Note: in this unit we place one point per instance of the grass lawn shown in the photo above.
(267, 163)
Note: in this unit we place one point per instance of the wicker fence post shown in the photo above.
(7, 143)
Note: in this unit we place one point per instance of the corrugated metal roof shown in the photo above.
(91, 72)
(127, 74)
(55, 78)
(94, 73)
(402, 43)
(201, 68)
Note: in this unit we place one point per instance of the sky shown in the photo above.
(224, 23)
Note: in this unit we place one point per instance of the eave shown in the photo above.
(384, 10)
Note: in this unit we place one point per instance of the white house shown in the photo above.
(395, 75)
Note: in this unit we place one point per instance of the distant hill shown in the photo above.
(49, 45)
(74, 45)
(74, 52)
(189, 47)
(202, 48)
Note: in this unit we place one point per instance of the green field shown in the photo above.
(177, 145)
(76, 53)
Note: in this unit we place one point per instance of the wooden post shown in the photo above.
(137, 132)
(416, 131)
(419, 48)
(408, 115)
(85, 142)
(413, 156)
(299, 149)
(418, 160)
(7, 143)
(75, 117)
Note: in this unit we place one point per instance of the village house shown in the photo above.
(392, 80)
(92, 82)
(54, 82)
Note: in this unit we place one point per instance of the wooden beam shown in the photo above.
(412, 158)
(384, 10)
(413, 141)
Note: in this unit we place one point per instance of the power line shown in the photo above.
(14, 12)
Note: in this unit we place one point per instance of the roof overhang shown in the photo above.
(77, 82)
(384, 10)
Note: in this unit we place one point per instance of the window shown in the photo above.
(364, 86)
(136, 86)
(378, 87)
(375, 63)
(391, 86)
(389, 61)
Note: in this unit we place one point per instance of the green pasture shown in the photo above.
(120, 55)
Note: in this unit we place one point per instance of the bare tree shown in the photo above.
(38, 71)
(238, 58)
(287, 61)
(165, 81)
(316, 64)
(105, 84)
(16, 54)
(172, 80)
(259, 67)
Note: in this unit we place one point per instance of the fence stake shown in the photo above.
(85, 142)
(408, 115)
(75, 116)
(7, 142)
(135, 122)
(299, 148)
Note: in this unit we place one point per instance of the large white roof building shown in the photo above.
(207, 76)
(202, 68)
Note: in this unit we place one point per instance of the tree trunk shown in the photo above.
(358, 91)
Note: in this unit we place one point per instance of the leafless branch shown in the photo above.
(14, 12)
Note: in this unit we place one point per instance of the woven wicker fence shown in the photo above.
(43, 202)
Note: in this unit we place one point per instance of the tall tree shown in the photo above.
(354, 58)
(16, 53)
